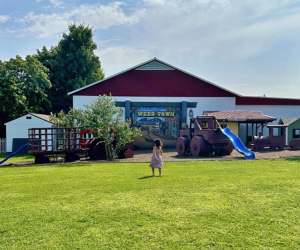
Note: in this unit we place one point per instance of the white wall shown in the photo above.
(274, 110)
(18, 128)
(208, 104)
(203, 103)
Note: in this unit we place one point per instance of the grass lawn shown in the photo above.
(194, 205)
(17, 158)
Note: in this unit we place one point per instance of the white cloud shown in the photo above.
(109, 41)
(98, 16)
(56, 3)
(104, 16)
(155, 2)
(3, 19)
(42, 25)
(116, 59)
(227, 29)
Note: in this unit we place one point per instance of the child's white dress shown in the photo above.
(156, 163)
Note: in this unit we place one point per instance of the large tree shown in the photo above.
(23, 84)
(72, 65)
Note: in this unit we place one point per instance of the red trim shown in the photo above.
(155, 83)
(265, 101)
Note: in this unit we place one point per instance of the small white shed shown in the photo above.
(18, 128)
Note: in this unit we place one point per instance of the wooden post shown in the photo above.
(256, 129)
(246, 133)
(252, 132)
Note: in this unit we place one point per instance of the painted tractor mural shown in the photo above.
(203, 137)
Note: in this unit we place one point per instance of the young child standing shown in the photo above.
(156, 160)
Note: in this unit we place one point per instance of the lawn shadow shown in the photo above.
(68, 164)
(207, 158)
(294, 159)
(146, 177)
(267, 150)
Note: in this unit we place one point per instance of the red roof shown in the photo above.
(245, 100)
(170, 82)
(155, 78)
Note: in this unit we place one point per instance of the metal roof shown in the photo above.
(42, 116)
(288, 121)
(147, 62)
(240, 115)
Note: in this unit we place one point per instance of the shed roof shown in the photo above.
(288, 121)
(240, 116)
(40, 116)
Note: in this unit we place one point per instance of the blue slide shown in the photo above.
(15, 153)
(237, 143)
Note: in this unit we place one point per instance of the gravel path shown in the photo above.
(170, 154)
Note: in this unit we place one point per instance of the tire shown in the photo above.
(99, 151)
(92, 145)
(72, 157)
(41, 159)
(281, 147)
(199, 146)
(181, 145)
(228, 150)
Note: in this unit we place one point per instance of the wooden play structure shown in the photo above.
(294, 143)
(203, 138)
(292, 130)
(54, 141)
(271, 141)
(68, 142)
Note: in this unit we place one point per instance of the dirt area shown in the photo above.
(170, 154)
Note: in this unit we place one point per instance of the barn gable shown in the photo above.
(154, 66)
(154, 78)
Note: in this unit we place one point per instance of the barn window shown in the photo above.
(28, 117)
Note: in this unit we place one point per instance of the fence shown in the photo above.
(2, 146)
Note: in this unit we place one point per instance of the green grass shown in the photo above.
(17, 158)
(194, 205)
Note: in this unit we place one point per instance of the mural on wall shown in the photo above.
(156, 122)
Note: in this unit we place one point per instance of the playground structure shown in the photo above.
(294, 143)
(274, 140)
(68, 142)
(15, 153)
(54, 141)
(205, 137)
(271, 141)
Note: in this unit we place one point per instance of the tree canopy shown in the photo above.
(40, 83)
(23, 87)
(72, 64)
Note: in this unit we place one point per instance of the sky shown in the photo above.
(250, 47)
